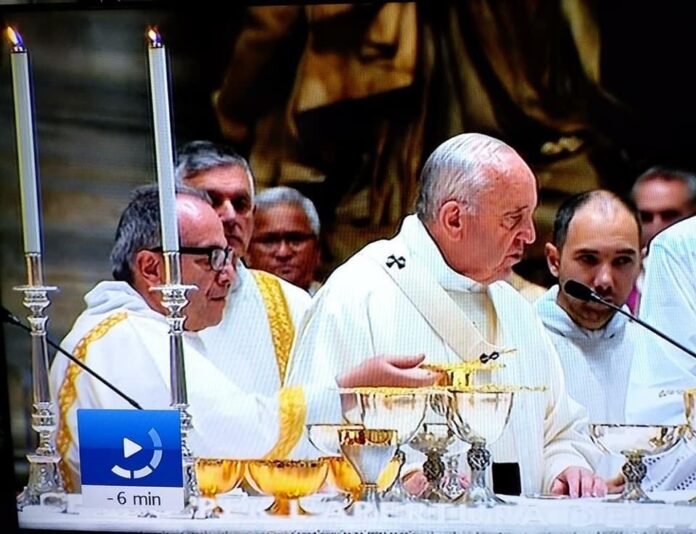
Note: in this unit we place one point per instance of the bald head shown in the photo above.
(597, 243)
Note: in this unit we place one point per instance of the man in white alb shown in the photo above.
(596, 241)
(436, 288)
(252, 343)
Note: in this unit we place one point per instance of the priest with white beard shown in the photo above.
(437, 289)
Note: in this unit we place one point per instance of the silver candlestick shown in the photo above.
(174, 299)
(45, 485)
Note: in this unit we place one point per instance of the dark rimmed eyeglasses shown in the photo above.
(218, 257)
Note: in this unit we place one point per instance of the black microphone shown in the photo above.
(6, 316)
(582, 292)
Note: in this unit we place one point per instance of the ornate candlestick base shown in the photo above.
(174, 300)
(45, 484)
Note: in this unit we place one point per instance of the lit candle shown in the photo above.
(159, 92)
(26, 149)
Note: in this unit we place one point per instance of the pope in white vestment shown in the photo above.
(385, 299)
(127, 342)
(251, 344)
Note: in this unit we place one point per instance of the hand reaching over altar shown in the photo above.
(579, 482)
(388, 371)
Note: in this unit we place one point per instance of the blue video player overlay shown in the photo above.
(130, 447)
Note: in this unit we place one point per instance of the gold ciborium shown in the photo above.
(216, 476)
(369, 451)
(287, 481)
(635, 442)
(400, 409)
(478, 416)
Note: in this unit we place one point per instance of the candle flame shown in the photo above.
(154, 36)
(15, 39)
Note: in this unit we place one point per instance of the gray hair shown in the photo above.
(287, 195)
(200, 156)
(670, 175)
(139, 228)
(459, 169)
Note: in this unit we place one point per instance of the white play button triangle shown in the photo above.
(130, 448)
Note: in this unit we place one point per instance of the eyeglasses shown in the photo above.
(218, 257)
(294, 240)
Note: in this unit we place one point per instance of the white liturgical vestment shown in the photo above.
(126, 342)
(361, 311)
(661, 371)
(242, 346)
(596, 362)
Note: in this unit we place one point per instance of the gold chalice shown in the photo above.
(216, 476)
(344, 476)
(400, 409)
(460, 374)
(690, 414)
(635, 442)
(689, 431)
(478, 416)
(324, 438)
(369, 451)
(287, 481)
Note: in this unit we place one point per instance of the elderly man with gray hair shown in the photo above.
(285, 241)
(437, 289)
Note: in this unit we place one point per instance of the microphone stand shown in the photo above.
(631, 317)
(7, 317)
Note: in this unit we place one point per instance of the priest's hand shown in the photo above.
(416, 482)
(388, 371)
(616, 484)
(578, 482)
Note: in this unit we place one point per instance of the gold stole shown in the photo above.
(292, 405)
(279, 318)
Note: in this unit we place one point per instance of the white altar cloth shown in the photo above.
(529, 515)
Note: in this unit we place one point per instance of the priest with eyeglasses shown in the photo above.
(123, 336)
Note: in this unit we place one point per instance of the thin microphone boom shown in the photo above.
(582, 292)
(6, 316)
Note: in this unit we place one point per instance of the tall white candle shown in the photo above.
(159, 92)
(26, 149)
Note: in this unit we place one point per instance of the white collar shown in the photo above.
(422, 246)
